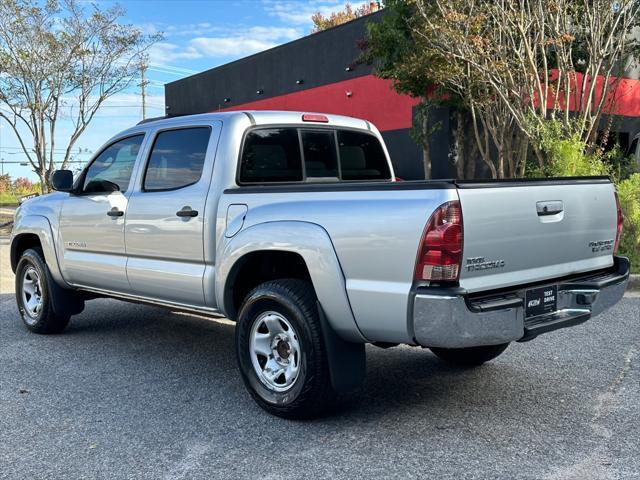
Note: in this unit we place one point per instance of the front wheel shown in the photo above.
(45, 307)
(281, 351)
(34, 294)
(471, 356)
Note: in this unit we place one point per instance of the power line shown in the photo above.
(26, 163)
(171, 69)
(59, 150)
(127, 106)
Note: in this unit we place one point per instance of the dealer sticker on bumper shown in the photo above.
(539, 301)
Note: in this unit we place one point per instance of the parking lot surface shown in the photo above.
(130, 391)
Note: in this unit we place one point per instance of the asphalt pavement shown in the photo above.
(130, 391)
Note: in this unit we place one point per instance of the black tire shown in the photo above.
(469, 357)
(311, 392)
(47, 319)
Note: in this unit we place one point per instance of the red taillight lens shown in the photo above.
(440, 253)
(620, 224)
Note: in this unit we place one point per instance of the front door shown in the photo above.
(92, 219)
(165, 218)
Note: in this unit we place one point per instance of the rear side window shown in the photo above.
(177, 158)
(274, 155)
(362, 157)
(271, 155)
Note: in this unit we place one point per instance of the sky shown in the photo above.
(198, 35)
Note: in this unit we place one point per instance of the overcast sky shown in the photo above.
(198, 35)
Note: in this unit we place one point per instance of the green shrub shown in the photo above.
(629, 195)
(565, 157)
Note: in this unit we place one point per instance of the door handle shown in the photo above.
(549, 208)
(187, 212)
(114, 212)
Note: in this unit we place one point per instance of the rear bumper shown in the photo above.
(454, 319)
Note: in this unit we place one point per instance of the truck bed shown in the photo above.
(376, 229)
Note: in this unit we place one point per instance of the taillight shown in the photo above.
(440, 253)
(620, 224)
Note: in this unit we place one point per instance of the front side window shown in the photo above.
(271, 155)
(111, 170)
(176, 159)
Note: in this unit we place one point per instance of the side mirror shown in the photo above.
(62, 180)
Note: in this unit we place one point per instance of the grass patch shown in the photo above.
(8, 199)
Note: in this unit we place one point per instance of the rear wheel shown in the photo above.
(471, 356)
(281, 351)
(44, 306)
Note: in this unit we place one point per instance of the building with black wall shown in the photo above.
(321, 73)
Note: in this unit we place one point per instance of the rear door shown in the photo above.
(524, 232)
(165, 218)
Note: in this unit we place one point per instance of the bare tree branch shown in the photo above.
(60, 59)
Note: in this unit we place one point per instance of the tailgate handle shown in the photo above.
(549, 207)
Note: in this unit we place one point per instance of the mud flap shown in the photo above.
(63, 301)
(347, 360)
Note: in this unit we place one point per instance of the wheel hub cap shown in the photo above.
(275, 351)
(281, 349)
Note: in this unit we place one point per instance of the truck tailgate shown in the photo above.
(524, 232)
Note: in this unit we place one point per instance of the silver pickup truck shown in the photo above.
(294, 226)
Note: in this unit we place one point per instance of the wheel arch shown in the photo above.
(35, 231)
(309, 250)
(22, 243)
(260, 266)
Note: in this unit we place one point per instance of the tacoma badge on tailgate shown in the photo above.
(479, 263)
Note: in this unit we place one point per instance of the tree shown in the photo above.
(60, 60)
(513, 65)
(345, 15)
(22, 185)
(390, 47)
(5, 183)
(399, 55)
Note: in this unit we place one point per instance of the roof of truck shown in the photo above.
(261, 117)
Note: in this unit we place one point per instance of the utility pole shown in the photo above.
(143, 86)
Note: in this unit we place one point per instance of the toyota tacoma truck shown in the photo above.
(294, 226)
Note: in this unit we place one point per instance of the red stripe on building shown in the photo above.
(627, 96)
(375, 100)
(371, 99)
(623, 97)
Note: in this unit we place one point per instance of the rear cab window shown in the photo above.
(271, 155)
(304, 154)
(320, 154)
